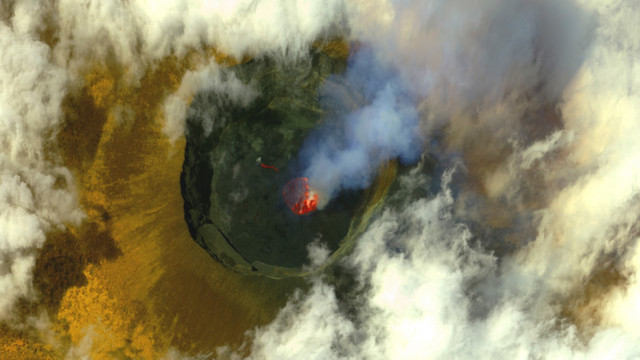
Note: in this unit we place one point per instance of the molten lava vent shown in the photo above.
(299, 198)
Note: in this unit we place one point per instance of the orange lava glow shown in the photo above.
(299, 198)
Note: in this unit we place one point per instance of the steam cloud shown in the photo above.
(534, 106)
(346, 153)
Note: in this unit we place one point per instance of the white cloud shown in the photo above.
(318, 252)
(140, 32)
(308, 328)
(427, 299)
(237, 28)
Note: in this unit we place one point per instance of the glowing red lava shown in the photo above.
(299, 198)
(269, 167)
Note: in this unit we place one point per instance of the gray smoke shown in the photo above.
(346, 152)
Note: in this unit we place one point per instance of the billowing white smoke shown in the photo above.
(347, 151)
(455, 64)
(460, 54)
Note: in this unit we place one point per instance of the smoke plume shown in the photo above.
(347, 150)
